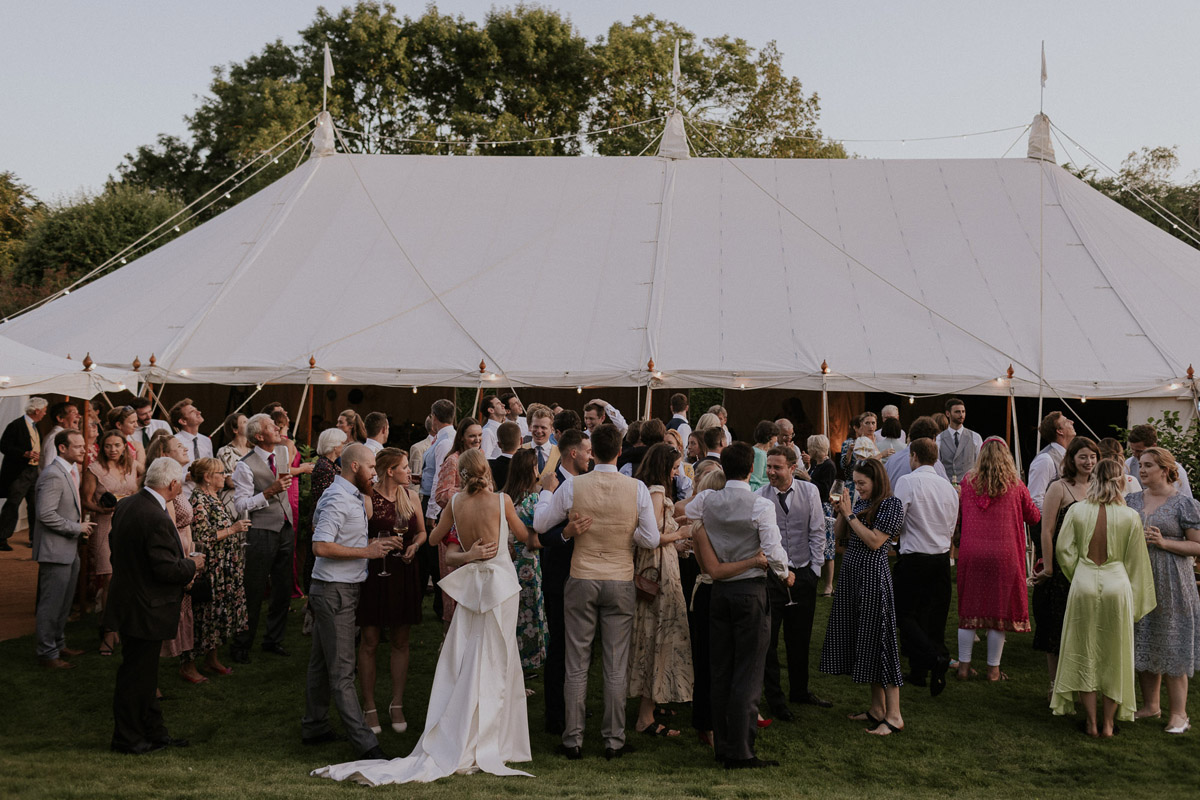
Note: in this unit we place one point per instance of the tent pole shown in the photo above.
(300, 408)
(649, 387)
(308, 431)
(825, 398)
(1041, 299)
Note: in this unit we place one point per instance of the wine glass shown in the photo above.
(835, 493)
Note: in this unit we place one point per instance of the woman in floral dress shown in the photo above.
(219, 538)
(531, 619)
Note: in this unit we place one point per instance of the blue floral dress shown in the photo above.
(531, 620)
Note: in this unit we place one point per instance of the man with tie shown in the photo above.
(555, 555)
(541, 425)
(922, 573)
(260, 491)
(493, 411)
(801, 524)
(21, 446)
(66, 417)
(1057, 430)
(599, 595)
(58, 527)
(147, 424)
(150, 572)
(187, 418)
(958, 447)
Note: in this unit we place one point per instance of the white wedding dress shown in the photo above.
(477, 718)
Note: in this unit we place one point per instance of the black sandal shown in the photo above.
(883, 722)
(658, 729)
(866, 717)
(664, 712)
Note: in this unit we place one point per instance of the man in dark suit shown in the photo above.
(575, 450)
(150, 572)
(508, 439)
(21, 446)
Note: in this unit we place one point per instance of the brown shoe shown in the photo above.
(70, 652)
(56, 663)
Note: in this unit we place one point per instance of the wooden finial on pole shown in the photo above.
(152, 359)
(824, 367)
(137, 363)
(1010, 372)
(312, 362)
(650, 365)
(482, 366)
(87, 362)
(1191, 373)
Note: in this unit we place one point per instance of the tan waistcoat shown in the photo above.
(605, 552)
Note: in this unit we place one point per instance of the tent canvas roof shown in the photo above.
(908, 276)
(28, 371)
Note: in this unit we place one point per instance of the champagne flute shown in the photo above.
(383, 573)
(245, 515)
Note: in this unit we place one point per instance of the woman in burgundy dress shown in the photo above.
(391, 601)
(993, 593)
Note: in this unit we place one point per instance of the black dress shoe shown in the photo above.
(277, 649)
(783, 714)
(171, 741)
(616, 752)
(572, 753)
(240, 656)
(750, 763)
(321, 738)
(811, 699)
(137, 749)
(374, 754)
(937, 680)
(915, 678)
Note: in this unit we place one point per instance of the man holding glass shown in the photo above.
(341, 548)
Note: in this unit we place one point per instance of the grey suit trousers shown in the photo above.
(586, 605)
(56, 590)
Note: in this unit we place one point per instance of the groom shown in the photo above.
(599, 592)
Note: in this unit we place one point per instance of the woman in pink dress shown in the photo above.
(112, 476)
(297, 468)
(993, 593)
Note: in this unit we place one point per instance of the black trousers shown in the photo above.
(797, 622)
(137, 716)
(268, 562)
(21, 490)
(699, 609)
(554, 671)
(739, 626)
(922, 586)
(427, 562)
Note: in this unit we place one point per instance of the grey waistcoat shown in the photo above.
(957, 462)
(278, 510)
(729, 521)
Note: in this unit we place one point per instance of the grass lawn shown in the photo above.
(976, 740)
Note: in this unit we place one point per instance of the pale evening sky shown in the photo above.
(86, 82)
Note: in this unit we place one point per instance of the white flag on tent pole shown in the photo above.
(675, 68)
(329, 68)
(1043, 65)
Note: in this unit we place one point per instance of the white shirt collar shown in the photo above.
(679, 416)
(187, 435)
(711, 454)
(738, 485)
(790, 486)
(605, 468)
(67, 465)
(162, 501)
(925, 468)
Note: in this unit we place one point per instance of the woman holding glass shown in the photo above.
(219, 538)
(391, 595)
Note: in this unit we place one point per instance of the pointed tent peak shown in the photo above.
(323, 139)
(1040, 146)
(674, 143)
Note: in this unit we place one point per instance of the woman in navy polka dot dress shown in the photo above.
(860, 640)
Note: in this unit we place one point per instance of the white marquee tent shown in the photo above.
(27, 371)
(906, 276)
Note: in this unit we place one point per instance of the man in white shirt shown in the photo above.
(1141, 437)
(1057, 430)
(922, 574)
(514, 411)
(187, 418)
(495, 415)
(600, 593)
(147, 425)
(377, 431)
(342, 550)
(888, 412)
(679, 419)
(598, 412)
(66, 417)
(958, 447)
(899, 464)
(738, 525)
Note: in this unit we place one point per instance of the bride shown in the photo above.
(476, 718)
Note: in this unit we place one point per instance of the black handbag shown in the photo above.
(201, 591)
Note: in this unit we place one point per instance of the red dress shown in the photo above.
(992, 588)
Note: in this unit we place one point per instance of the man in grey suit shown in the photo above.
(56, 547)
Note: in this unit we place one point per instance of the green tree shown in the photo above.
(19, 210)
(72, 239)
(1148, 173)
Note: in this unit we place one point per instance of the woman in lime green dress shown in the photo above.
(1102, 550)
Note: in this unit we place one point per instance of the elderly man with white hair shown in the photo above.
(882, 440)
(260, 491)
(21, 446)
(150, 573)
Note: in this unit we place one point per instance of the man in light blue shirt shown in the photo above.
(341, 548)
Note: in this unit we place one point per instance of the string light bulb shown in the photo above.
(121, 386)
(1083, 399)
(332, 378)
(1174, 386)
(183, 372)
(414, 390)
(911, 399)
(578, 390)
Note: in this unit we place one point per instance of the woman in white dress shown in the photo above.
(476, 718)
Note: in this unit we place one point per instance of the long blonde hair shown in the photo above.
(1108, 483)
(994, 470)
(386, 459)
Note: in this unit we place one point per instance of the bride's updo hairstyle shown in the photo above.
(473, 471)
